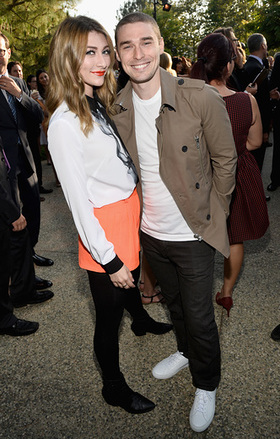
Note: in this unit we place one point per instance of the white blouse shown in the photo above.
(91, 175)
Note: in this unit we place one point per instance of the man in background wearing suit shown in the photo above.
(14, 103)
(256, 61)
(11, 222)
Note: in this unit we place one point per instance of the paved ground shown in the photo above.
(50, 385)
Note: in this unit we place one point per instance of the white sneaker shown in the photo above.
(203, 410)
(168, 367)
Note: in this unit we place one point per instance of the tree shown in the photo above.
(29, 25)
(267, 22)
(181, 27)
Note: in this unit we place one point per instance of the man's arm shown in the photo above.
(220, 143)
(18, 88)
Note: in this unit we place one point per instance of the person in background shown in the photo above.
(11, 221)
(170, 125)
(99, 183)
(248, 217)
(166, 63)
(42, 78)
(181, 65)
(238, 80)
(15, 69)
(15, 104)
(274, 86)
(33, 135)
(256, 61)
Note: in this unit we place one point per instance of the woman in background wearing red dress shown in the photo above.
(248, 217)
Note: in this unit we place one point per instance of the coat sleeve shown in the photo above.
(220, 143)
(29, 104)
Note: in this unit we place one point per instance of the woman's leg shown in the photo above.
(109, 306)
(147, 284)
(232, 267)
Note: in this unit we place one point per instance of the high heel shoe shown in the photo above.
(225, 302)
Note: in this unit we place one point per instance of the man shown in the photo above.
(15, 103)
(256, 61)
(178, 134)
(274, 85)
(239, 79)
(11, 221)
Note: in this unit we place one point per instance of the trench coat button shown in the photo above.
(197, 185)
(208, 217)
(181, 81)
(184, 148)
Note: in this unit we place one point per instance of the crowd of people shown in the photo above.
(183, 144)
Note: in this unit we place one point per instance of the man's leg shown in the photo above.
(166, 275)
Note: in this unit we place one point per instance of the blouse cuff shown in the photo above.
(113, 266)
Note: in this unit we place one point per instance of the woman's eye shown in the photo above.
(90, 52)
(106, 52)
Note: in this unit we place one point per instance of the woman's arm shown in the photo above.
(255, 135)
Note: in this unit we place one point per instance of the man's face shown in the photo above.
(16, 71)
(4, 59)
(139, 51)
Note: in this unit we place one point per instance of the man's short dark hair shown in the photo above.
(136, 17)
(254, 42)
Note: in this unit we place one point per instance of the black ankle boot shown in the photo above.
(118, 393)
(140, 327)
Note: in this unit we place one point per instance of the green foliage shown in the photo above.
(29, 25)
(190, 20)
(267, 22)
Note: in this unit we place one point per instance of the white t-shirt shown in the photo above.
(161, 218)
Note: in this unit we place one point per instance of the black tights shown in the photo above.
(110, 303)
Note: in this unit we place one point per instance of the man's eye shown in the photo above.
(126, 47)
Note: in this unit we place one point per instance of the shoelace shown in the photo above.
(174, 358)
(200, 401)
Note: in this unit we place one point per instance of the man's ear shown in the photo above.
(9, 53)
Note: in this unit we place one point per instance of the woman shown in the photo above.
(166, 63)
(248, 217)
(98, 181)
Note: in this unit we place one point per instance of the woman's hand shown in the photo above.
(122, 278)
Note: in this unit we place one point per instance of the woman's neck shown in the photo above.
(220, 85)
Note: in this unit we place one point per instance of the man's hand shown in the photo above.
(8, 84)
(19, 224)
(122, 278)
(274, 94)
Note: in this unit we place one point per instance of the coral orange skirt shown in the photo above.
(120, 221)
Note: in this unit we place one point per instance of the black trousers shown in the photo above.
(184, 271)
(6, 308)
(110, 303)
(22, 269)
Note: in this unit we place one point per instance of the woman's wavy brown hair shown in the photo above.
(67, 52)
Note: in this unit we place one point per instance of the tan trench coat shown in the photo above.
(197, 153)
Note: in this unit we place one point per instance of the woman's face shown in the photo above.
(33, 83)
(179, 67)
(44, 79)
(96, 62)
